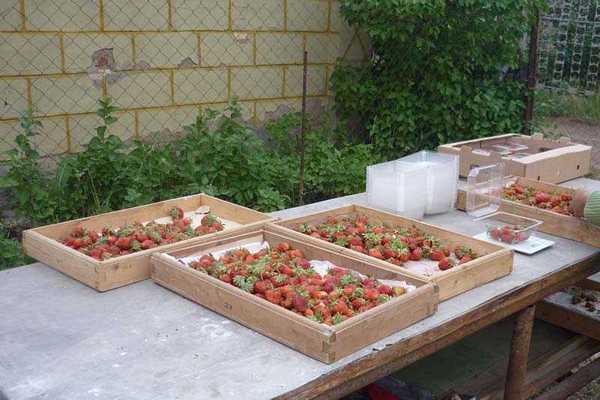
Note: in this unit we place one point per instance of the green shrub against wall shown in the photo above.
(438, 71)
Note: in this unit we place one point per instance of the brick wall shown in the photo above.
(167, 58)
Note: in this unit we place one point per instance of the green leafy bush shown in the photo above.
(438, 72)
(217, 154)
(11, 253)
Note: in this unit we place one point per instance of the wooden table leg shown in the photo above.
(516, 375)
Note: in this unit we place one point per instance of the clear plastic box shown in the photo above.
(442, 179)
(509, 228)
(484, 197)
(399, 187)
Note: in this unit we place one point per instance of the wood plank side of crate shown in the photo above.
(62, 258)
(495, 262)
(268, 319)
(345, 338)
(43, 243)
(567, 319)
(384, 320)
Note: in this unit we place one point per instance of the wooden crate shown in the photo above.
(560, 225)
(322, 342)
(494, 262)
(557, 310)
(550, 161)
(44, 245)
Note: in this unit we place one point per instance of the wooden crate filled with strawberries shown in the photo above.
(111, 250)
(545, 202)
(533, 157)
(311, 298)
(455, 262)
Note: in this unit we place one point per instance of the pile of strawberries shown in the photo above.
(283, 276)
(553, 201)
(113, 242)
(396, 245)
(510, 234)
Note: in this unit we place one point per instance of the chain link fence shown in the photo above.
(569, 47)
(161, 61)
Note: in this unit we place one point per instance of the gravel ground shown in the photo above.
(584, 133)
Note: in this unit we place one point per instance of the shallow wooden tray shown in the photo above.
(322, 342)
(557, 310)
(550, 161)
(560, 225)
(494, 262)
(44, 245)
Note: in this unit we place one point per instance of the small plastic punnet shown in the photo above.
(484, 196)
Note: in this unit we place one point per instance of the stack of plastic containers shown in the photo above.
(418, 184)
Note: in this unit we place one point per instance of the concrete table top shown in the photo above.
(61, 340)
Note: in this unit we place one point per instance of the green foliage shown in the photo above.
(93, 181)
(217, 154)
(11, 253)
(331, 169)
(25, 178)
(550, 103)
(437, 71)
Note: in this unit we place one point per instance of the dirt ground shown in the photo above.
(580, 132)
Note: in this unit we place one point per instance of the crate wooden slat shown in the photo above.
(319, 341)
(558, 311)
(44, 245)
(552, 161)
(560, 225)
(494, 262)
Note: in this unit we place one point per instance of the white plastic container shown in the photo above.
(442, 179)
(398, 187)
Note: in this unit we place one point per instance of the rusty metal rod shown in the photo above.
(532, 68)
(303, 130)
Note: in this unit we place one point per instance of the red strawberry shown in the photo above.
(286, 269)
(148, 244)
(371, 294)
(263, 286)
(341, 307)
(416, 254)
(124, 243)
(542, 197)
(283, 247)
(385, 289)
(436, 255)
(375, 252)
(273, 295)
(444, 264)
(300, 303)
(358, 303)
(96, 253)
(93, 235)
